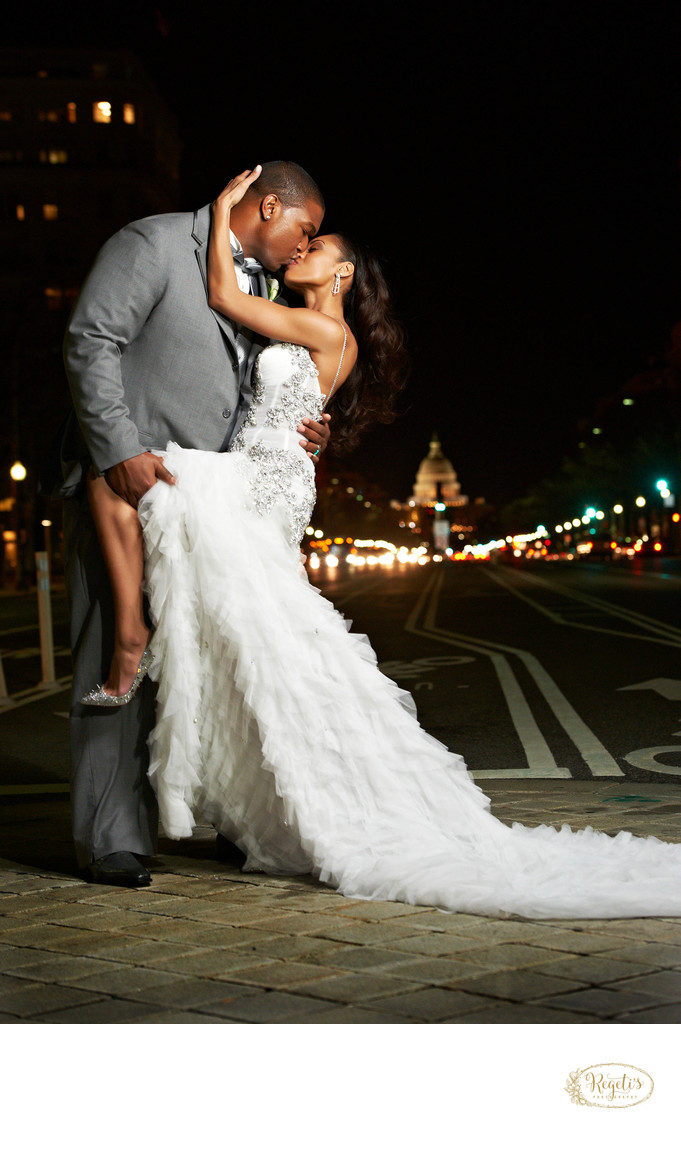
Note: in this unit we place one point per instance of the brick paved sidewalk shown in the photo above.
(208, 944)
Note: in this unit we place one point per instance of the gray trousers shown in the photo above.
(113, 805)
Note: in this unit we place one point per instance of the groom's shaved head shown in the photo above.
(279, 214)
(289, 182)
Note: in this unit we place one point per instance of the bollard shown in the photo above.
(45, 617)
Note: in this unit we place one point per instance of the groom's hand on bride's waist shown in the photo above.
(134, 477)
(317, 436)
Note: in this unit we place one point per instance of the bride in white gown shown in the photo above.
(249, 658)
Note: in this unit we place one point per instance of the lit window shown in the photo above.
(53, 156)
(71, 113)
(5, 116)
(50, 211)
(21, 211)
(128, 113)
(52, 115)
(101, 112)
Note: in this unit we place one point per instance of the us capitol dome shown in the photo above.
(436, 479)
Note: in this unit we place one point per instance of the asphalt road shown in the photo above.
(527, 672)
(543, 671)
(550, 670)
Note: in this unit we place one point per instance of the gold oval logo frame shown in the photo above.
(609, 1085)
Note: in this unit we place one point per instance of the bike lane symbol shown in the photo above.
(646, 758)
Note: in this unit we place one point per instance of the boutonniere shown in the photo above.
(273, 287)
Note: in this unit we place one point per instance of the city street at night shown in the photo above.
(559, 684)
(384, 302)
(546, 670)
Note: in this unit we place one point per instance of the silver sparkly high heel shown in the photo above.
(99, 696)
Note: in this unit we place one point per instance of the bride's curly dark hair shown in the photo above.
(370, 392)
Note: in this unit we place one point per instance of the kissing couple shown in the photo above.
(212, 681)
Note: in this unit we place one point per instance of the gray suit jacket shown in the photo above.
(147, 359)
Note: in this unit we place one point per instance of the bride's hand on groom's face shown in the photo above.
(236, 189)
(317, 436)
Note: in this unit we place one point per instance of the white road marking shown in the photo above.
(32, 652)
(26, 697)
(667, 687)
(667, 635)
(396, 668)
(593, 752)
(541, 762)
(645, 759)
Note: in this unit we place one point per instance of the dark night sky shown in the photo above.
(515, 165)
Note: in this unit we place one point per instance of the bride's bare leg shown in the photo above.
(120, 536)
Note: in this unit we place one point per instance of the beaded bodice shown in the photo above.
(285, 391)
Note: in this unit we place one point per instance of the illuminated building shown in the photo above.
(437, 510)
(86, 145)
(436, 479)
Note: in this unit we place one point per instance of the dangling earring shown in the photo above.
(336, 284)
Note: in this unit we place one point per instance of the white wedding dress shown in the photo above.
(275, 725)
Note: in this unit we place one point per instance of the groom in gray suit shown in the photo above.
(149, 361)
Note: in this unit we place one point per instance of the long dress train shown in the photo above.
(275, 724)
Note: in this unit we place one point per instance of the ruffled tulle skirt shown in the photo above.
(275, 725)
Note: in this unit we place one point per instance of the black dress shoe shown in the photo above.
(119, 869)
(226, 851)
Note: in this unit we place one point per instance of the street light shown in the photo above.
(668, 500)
(17, 474)
(46, 524)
